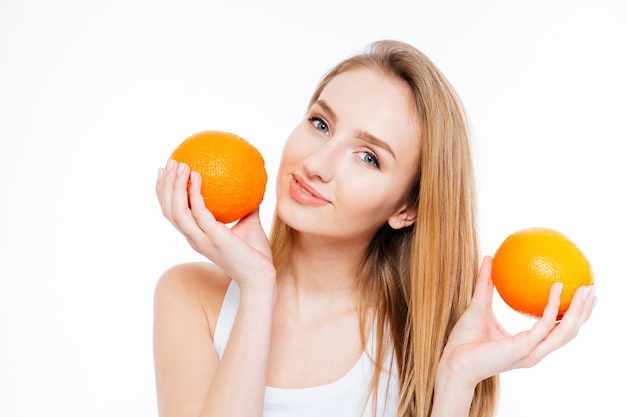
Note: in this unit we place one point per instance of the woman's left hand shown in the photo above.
(478, 346)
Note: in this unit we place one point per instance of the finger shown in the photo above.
(181, 185)
(591, 303)
(483, 292)
(547, 322)
(567, 329)
(164, 188)
(195, 190)
(577, 314)
(159, 183)
(201, 214)
(579, 307)
(181, 216)
(181, 212)
(160, 172)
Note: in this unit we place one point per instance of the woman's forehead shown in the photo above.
(372, 92)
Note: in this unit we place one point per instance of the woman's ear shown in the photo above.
(403, 217)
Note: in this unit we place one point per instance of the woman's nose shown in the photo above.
(320, 164)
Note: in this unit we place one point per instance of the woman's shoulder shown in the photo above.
(201, 284)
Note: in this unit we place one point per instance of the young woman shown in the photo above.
(367, 299)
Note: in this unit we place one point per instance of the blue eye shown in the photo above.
(319, 124)
(369, 158)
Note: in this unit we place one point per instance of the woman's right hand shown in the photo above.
(242, 251)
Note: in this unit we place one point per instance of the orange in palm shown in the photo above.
(529, 261)
(232, 170)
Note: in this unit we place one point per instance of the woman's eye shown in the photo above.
(319, 124)
(369, 158)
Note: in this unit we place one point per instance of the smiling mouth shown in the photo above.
(304, 194)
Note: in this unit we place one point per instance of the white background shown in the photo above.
(95, 95)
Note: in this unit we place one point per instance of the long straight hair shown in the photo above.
(420, 278)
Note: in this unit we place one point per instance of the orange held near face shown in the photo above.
(232, 170)
(529, 261)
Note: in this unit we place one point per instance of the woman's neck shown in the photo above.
(321, 274)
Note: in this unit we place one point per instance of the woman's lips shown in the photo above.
(303, 193)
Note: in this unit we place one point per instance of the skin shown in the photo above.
(364, 182)
(303, 324)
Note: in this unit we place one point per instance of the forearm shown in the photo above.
(238, 386)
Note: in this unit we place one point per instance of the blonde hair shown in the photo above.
(420, 278)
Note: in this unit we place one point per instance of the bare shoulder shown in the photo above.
(197, 285)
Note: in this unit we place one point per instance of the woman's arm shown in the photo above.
(190, 380)
(189, 377)
(478, 346)
(187, 301)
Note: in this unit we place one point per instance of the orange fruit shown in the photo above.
(529, 261)
(232, 170)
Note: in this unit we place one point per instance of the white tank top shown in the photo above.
(342, 398)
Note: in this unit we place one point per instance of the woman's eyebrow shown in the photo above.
(360, 134)
(368, 137)
(327, 109)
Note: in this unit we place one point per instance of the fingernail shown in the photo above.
(585, 293)
(181, 168)
(159, 173)
(559, 288)
(192, 179)
(170, 164)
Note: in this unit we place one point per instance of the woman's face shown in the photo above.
(346, 168)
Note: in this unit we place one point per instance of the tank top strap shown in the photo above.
(226, 318)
